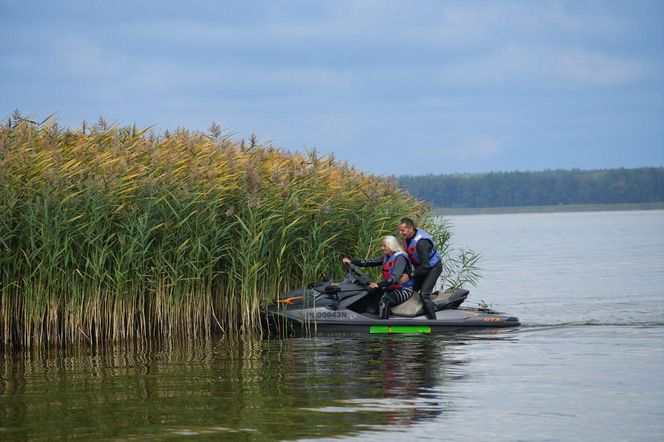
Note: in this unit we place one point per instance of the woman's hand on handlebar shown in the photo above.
(373, 285)
(346, 261)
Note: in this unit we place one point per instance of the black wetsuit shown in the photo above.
(426, 276)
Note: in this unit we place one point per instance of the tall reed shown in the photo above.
(114, 234)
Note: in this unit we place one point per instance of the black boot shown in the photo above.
(429, 306)
(384, 308)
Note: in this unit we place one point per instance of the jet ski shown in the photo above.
(349, 306)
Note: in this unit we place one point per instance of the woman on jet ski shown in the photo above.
(395, 263)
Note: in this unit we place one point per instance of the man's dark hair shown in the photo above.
(407, 222)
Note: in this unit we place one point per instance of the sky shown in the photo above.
(393, 87)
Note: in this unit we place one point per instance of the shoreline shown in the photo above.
(441, 211)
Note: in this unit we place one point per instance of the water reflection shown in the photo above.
(325, 386)
(380, 381)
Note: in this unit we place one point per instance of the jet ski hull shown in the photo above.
(348, 306)
(344, 320)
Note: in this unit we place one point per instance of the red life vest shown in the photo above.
(388, 269)
(411, 248)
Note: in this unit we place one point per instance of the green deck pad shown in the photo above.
(400, 329)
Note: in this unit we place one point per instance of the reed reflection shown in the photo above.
(327, 386)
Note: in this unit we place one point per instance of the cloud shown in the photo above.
(481, 79)
(80, 56)
(476, 148)
(374, 46)
(597, 69)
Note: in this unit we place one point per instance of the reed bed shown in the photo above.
(117, 234)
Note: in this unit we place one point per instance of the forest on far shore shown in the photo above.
(539, 188)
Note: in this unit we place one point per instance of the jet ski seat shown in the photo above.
(449, 299)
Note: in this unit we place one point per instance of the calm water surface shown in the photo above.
(588, 364)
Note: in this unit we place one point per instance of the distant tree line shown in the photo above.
(549, 187)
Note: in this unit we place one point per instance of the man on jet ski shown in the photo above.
(425, 258)
(395, 264)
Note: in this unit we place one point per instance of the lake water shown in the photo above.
(587, 364)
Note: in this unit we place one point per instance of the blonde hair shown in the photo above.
(392, 243)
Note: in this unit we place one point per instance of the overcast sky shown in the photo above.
(394, 87)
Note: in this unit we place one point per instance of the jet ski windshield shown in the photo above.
(341, 293)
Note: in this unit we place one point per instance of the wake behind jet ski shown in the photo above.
(348, 305)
